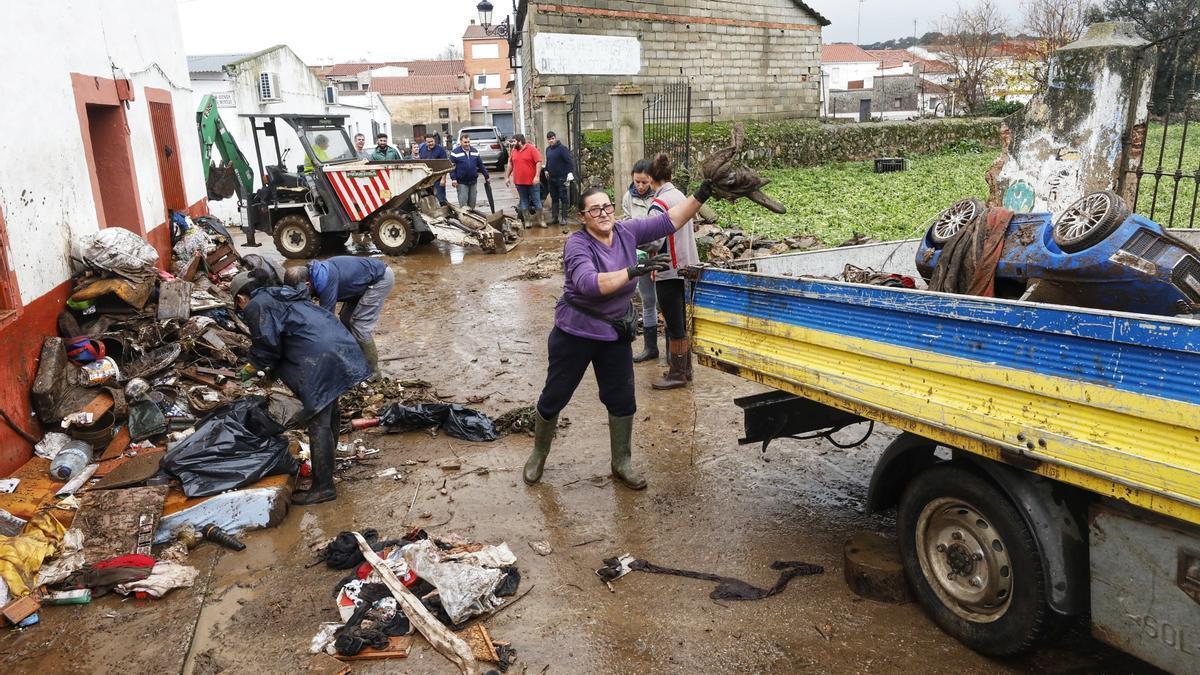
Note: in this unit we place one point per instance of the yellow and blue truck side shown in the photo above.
(1050, 462)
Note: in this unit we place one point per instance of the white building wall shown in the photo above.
(361, 110)
(45, 187)
(840, 74)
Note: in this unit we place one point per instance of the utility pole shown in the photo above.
(858, 27)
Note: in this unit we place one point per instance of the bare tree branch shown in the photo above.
(1055, 23)
(969, 47)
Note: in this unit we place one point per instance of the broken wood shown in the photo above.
(443, 640)
(174, 299)
(398, 648)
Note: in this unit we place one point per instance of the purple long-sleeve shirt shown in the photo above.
(584, 258)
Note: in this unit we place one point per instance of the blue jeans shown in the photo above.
(441, 192)
(530, 197)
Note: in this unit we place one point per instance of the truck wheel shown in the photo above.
(972, 562)
(295, 237)
(951, 220)
(1089, 220)
(393, 232)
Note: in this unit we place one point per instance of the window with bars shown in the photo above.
(268, 89)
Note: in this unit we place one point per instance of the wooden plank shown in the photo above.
(117, 522)
(118, 445)
(35, 488)
(99, 405)
(174, 299)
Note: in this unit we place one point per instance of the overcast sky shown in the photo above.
(345, 30)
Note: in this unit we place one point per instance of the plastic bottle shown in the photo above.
(69, 461)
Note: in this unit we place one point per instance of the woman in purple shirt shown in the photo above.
(601, 269)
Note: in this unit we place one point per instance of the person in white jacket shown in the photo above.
(635, 203)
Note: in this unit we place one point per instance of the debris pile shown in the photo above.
(541, 266)
(142, 389)
(438, 587)
(718, 245)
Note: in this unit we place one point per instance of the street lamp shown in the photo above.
(485, 20)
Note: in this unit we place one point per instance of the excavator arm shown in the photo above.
(234, 176)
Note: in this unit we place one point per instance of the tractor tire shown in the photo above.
(296, 238)
(972, 562)
(1089, 221)
(393, 232)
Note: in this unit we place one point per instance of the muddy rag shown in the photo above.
(21, 556)
(163, 578)
(727, 588)
(968, 262)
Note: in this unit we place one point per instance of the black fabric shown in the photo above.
(454, 419)
(626, 326)
(102, 580)
(560, 191)
(343, 553)
(570, 356)
(729, 588)
(397, 625)
(509, 582)
(233, 446)
(351, 641)
(673, 306)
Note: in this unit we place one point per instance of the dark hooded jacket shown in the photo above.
(306, 346)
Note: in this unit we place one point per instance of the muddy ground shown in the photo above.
(456, 320)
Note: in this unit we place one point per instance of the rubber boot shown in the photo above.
(540, 218)
(370, 351)
(650, 343)
(677, 357)
(321, 447)
(620, 437)
(543, 434)
(687, 369)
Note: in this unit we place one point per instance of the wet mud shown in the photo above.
(457, 320)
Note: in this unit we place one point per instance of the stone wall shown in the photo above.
(789, 144)
(891, 94)
(758, 59)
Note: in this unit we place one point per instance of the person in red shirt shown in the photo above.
(524, 168)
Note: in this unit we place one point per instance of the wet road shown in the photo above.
(455, 320)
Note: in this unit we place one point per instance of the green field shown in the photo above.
(835, 201)
(1176, 155)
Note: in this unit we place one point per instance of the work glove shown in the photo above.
(723, 181)
(658, 263)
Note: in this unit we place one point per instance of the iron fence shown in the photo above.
(575, 143)
(1161, 175)
(667, 128)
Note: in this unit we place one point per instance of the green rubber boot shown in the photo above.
(620, 436)
(370, 351)
(543, 434)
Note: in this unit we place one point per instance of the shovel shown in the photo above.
(487, 189)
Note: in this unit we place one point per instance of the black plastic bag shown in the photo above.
(235, 445)
(459, 422)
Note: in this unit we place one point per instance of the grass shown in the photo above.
(1157, 204)
(835, 201)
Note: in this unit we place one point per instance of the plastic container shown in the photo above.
(71, 460)
(99, 372)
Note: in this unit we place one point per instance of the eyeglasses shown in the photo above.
(595, 211)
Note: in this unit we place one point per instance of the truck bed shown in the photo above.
(1106, 401)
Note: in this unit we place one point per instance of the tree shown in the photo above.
(969, 47)
(452, 52)
(1054, 23)
(1158, 20)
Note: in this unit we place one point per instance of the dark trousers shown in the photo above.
(612, 362)
(561, 193)
(671, 301)
(322, 442)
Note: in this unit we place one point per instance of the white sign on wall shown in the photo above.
(569, 54)
(224, 99)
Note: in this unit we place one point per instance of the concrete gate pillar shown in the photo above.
(554, 118)
(1076, 137)
(628, 140)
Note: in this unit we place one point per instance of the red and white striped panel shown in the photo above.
(362, 191)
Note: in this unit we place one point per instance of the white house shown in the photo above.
(108, 141)
(272, 81)
(847, 66)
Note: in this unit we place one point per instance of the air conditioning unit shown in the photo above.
(331, 95)
(268, 87)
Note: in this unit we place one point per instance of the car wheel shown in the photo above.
(1089, 220)
(296, 238)
(972, 562)
(393, 232)
(951, 220)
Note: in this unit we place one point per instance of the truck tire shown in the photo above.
(295, 237)
(1089, 220)
(972, 562)
(393, 232)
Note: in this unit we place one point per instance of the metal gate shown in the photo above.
(575, 143)
(1161, 175)
(667, 127)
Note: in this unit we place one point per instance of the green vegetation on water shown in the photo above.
(835, 201)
